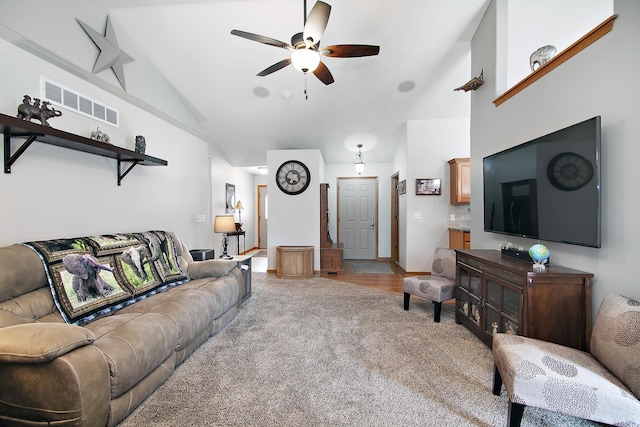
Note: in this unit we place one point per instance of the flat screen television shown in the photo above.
(547, 188)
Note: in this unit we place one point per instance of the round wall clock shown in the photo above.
(293, 177)
(569, 171)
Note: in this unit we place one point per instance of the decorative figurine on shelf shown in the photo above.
(98, 135)
(28, 111)
(541, 56)
(494, 325)
(540, 256)
(141, 144)
(510, 328)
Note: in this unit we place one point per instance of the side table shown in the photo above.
(244, 264)
(238, 234)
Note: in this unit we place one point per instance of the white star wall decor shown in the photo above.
(111, 56)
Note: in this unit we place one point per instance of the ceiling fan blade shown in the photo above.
(262, 39)
(316, 22)
(323, 74)
(350, 50)
(275, 67)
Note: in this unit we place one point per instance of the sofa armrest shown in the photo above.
(212, 268)
(41, 342)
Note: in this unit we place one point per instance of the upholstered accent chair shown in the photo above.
(438, 287)
(602, 386)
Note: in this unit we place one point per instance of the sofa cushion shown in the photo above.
(224, 292)
(134, 345)
(28, 308)
(20, 272)
(192, 311)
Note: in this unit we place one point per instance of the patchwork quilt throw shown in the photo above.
(92, 276)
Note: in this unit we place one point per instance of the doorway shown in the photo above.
(358, 217)
(263, 214)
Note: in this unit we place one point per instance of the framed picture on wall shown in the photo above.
(402, 187)
(428, 186)
(230, 192)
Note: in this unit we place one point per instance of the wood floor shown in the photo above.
(386, 282)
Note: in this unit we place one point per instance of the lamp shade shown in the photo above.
(224, 224)
(239, 205)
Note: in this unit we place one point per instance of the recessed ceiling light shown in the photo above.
(406, 86)
(261, 92)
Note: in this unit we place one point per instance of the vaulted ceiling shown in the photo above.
(424, 55)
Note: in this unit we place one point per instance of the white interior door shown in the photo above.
(357, 217)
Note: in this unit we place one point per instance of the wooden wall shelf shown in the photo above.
(557, 60)
(13, 127)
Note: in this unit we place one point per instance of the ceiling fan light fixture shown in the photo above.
(305, 60)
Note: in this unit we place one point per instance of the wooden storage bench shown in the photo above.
(294, 262)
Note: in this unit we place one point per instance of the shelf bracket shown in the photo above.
(10, 159)
(121, 174)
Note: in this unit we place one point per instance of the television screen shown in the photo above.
(547, 188)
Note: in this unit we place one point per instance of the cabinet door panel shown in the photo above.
(503, 307)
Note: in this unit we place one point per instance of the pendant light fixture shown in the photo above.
(358, 162)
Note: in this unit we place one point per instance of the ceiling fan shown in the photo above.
(304, 47)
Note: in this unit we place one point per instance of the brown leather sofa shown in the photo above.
(56, 373)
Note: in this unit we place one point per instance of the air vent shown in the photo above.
(69, 99)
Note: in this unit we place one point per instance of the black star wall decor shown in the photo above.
(111, 56)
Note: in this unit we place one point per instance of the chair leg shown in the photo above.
(515, 414)
(407, 295)
(437, 309)
(497, 381)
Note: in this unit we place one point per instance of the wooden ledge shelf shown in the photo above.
(13, 127)
(557, 60)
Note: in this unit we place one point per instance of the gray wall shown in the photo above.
(597, 81)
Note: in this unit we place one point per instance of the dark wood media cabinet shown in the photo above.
(498, 293)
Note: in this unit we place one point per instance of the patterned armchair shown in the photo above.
(438, 287)
(602, 386)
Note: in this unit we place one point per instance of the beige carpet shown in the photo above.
(319, 352)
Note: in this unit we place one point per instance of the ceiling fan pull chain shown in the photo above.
(306, 96)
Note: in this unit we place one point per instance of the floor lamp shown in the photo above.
(224, 224)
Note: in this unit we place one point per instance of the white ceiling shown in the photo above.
(424, 43)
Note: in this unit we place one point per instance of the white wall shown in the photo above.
(51, 30)
(55, 192)
(294, 220)
(221, 174)
(534, 24)
(597, 81)
(431, 144)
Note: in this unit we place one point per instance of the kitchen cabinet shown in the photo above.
(460, 180)
(459, 239)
